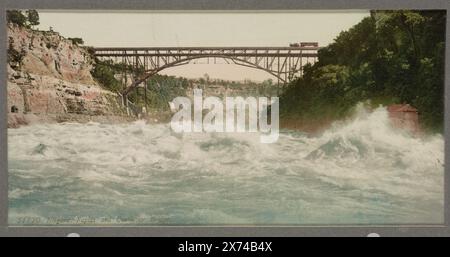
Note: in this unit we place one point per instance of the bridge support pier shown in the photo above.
(125, 104)
(145, 97)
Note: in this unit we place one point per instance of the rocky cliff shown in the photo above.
(49, 80)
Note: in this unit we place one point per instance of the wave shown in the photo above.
(360, 171)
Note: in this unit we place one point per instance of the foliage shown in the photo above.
(76, 40)
(159, 91)
(15, 57)
(33, 17)
(162, 89)
(16, 17)
(397, 56)
(26, 18)
(112, 76)
(103, 72)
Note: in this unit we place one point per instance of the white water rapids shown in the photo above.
(362, 172)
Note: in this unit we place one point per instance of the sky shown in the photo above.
(186, 29)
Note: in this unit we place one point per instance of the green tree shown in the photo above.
(33, 17)
(26, 18)
(104, 73)
(395, 56)
(76, 40)
(16, 17)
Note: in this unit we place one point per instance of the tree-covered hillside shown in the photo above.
(389, 57)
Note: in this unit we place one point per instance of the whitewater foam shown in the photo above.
(360, 172)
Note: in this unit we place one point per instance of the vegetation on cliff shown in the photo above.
(389, 57)
(25, 19)
(103, 72)
(28, 18)
(160, 88)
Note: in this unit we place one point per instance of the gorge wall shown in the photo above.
(49, 80)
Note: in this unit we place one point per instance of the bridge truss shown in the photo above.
(284, 63)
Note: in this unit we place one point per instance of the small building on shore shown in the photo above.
(404, 116)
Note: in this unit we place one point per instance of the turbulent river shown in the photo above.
(361, 172)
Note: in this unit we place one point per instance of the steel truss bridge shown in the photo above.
(284, 63)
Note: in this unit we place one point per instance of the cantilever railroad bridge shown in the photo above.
(284, 63)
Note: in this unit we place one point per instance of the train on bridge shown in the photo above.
(304, 44)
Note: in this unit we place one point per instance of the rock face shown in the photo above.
(50, 76)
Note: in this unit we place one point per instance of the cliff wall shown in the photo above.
(49, 80)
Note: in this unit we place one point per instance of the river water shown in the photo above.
(362, 172)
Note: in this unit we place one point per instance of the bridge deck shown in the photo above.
(207, 51)
(201, 48)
